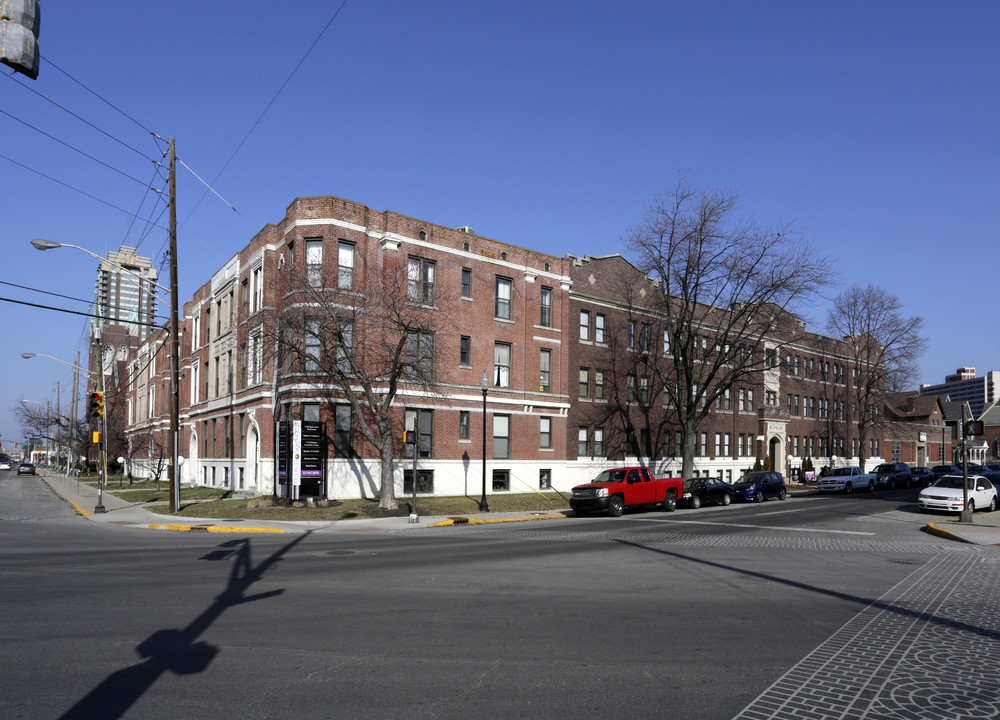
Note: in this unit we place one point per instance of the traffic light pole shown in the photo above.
(102, 458)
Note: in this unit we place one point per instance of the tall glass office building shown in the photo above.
(126, 292)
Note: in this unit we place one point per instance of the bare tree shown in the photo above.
(358, 340)
(884, 348)
(728, 288)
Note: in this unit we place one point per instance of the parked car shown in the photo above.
(618, 488)
(847, 479)
(994, 477)
(25, 468)
(946, 494)
(976, 468)
(759, 485)
(941, 470)
(893, 475)
(922, 476)
(995, 467)
(4, 464)
(698, 491)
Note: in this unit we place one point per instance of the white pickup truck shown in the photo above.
(846, 479)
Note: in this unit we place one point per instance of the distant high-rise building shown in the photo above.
(126, 292)
(964, 386)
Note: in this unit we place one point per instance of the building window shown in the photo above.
(501, 437)
(585, 325)
(598, 384)
(312, 345)
(630, 334)
(501, 480)
(545, 371)
(342, 431)
(420, 281)
(425, 433)
(425, 481)
(463, 424)
(464, 345)
(598, 442)
(599, 323)
(466, 283)
(582, 438)
(420, 353)
(630, 389)
(546, 307)
(666, 342)
(256, 289)
(245, 294)
(345, 265)
(502, 308)
(310, 412)
(584, 382)
(703, 444)
(314, 261)
(644, 390)
(501, 365)
(345, 348)
(545, 433)
(544, 479)
(644, 338)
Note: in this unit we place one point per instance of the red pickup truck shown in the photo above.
(618, 488)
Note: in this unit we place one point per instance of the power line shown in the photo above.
(84, 121)
(74, 149)
(106, 102)
(76, 312)
(67, 297)
(75, 189)
(268, 107)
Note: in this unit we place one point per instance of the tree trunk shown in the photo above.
(387, 485)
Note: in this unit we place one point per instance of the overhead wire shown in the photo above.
(67, 297)
(66, 185)
(74, 149)
(267, 108)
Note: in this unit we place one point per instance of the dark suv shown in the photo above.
(893, 475)
(760, 485)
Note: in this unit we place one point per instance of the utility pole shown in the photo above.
(71, 459)
(175, 490)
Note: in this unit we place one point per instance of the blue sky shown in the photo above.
(871, 125)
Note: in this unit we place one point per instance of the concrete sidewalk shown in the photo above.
(83, 497)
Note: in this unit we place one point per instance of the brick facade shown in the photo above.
(499, 311)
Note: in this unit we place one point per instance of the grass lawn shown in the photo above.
(251, 509)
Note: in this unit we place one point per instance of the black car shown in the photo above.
(26, 468)
(698, 491)
(994, 477)
(941, 470)
(893, 475)
(923, 476)
(759, 485)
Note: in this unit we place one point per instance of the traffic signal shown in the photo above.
(19, 22)
(96, 405)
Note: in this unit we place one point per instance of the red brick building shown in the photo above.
(554, 339)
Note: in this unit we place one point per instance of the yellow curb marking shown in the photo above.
(474, 521)
(215, 528)
(79, 509)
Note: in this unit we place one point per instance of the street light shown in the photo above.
(41, 244)
(484, 384)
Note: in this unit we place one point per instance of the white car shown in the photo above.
(946, 494)
(4, 464)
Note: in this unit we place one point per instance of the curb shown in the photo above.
(933, 529)
(79, 510)
(212, 528)
(475, 521)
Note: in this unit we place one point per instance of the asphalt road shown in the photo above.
(692, 614)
